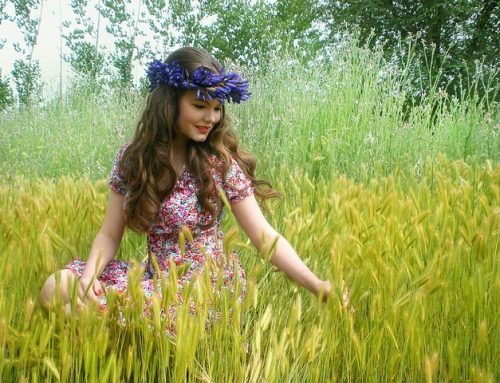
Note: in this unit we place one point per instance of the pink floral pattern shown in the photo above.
(180, 210)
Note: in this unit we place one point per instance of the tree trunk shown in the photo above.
(60, 49)
(32, 48)
(94, 75)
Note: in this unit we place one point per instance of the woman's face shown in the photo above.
(197, 117)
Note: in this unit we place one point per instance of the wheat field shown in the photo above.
(421, 263)
(398, 200)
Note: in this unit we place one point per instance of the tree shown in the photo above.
(5, 91)
(123, 25)
(295, 25)
(86, 57)
(27, 79)
(6, 98)
(240, 31)
(449, 33)
(26, 72)
(246, 32)
(3, 16)
(160, 24)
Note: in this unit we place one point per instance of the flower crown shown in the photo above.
(220, 86)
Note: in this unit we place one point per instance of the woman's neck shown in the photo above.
(179, 155)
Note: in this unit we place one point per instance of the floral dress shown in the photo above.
(180, 209)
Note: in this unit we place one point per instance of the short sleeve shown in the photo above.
(116, 180)
(236, 184)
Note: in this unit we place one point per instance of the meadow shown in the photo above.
(402, 203)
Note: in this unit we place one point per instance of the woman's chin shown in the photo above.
(200, 138)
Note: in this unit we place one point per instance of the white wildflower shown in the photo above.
(370, 138)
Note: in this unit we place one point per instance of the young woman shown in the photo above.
(171, 177)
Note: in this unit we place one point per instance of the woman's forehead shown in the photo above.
(192, 95)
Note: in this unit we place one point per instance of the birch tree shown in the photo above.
(26, 71)
(124, 24)
(87, 58)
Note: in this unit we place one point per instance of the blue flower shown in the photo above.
(220, 86)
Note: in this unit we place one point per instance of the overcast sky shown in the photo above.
(48, 47)
(48, 44)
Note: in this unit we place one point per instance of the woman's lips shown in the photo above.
(203, 129)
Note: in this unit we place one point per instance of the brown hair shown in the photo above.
(149, 157)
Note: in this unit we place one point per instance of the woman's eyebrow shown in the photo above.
(205, 102)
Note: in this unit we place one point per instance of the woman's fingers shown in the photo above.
(346, 305)
(79, 304)
(97, 288)
(345, 295)
(91, 296)
(86, 292)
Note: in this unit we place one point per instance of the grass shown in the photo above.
(401, 203)
(420, 262)
(352, 115)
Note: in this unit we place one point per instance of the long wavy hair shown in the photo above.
(147, 162)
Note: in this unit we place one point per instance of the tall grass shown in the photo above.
(421, 263)
(401, 203)
(75, 135)
(354, 115)
(350, 113)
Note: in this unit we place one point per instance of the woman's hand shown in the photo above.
(89, 289)
(325, 290)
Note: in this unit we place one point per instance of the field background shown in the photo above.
(400, 201)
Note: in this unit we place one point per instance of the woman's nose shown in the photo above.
(212, 116)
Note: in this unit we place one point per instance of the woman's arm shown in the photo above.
(284, 257)
(104, 247)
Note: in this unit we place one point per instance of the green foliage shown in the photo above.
(26, 77)
(294, 25)
(454, 39)
(27, 24)
(159, 21)
(124, 27)
(247, 32)
(86, 57)
(347, 114)
(3, 16)
(6, 98)
(452, 43)
(26, 71)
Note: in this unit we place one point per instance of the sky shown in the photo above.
(48, 47)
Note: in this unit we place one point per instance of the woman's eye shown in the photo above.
(201, 106)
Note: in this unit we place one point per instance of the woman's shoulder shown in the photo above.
(117, 179)
(219, 163)
(124, 146)
(120, 151)
(231, 178)
(227, 170)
